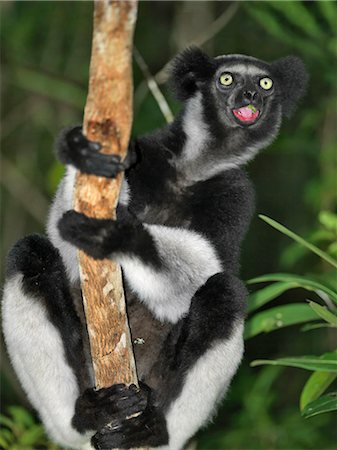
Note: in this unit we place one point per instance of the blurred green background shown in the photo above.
(44, 69)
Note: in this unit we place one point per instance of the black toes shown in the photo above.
(33, 256)
(147, 429)
(95, 409)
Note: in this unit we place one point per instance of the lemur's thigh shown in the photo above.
(43, 334)
(207, 353)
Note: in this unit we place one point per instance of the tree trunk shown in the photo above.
(107, 119)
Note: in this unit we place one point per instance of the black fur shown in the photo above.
(101, 238)
(44, 279)
(96, 408)
(292, 79)
(146, 429)
(188, 70)
(75, 149)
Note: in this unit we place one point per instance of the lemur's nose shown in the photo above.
(250, 95)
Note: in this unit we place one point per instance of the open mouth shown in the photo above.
(247, 114)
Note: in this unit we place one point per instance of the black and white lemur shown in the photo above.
(184, 208)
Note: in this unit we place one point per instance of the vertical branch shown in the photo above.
(107, 119)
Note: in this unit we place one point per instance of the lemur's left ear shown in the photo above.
(189, 68)
(292, 79)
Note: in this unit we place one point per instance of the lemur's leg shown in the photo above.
(197, 363)
(44, 340)
(43, 335)
(165, 266)
(209, 350)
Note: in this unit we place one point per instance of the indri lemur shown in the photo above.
(184, 208)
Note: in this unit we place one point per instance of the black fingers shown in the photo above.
(97, 237)
(75, 149)
(95, 409)
(100, 238)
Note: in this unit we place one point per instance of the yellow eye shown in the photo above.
(226, 79)
(266, 83)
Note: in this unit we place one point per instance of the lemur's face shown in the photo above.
(240, 92)
(244, 92)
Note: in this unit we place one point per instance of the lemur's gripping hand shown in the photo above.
(125, 417)
(99, 238)
(75, 149)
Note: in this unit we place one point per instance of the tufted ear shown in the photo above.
(292, 78)
(188, 69)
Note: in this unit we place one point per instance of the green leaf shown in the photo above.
(328, 220)
(269, 293)
(32, 436)
(324, 313)
(21, 416)
(6, 421)
(278, 317)
(316, 384)
(7, 437)
(292, 11)
(299, 239)
(3, 443)
(326, 362)
(272, 25)
(304, 282)
(316, 326)
(49, 86)
(329, 11)
(324, 404)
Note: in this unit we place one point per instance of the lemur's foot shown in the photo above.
(36, 258)
(99, 238)
(95, 409)
(146, 427)
(75, 149)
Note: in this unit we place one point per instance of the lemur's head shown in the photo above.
(240, 95)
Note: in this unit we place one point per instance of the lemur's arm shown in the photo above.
(164, 265)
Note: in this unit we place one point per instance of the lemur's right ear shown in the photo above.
(187, 69)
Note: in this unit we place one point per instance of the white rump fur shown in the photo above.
(37, 354)
(205, 385)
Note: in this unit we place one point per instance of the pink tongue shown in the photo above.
(245, 113)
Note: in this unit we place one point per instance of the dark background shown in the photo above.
(45, 58)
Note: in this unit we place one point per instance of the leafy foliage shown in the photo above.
(324, 367)
(20, 431)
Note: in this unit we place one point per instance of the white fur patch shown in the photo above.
(124, 195)
(205, 385)
(195, 128)
(36, 350)
(189, 260)
(244, 69)
(63, 202)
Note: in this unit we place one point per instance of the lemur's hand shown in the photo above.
(124, 416)
(99, 238)
(75, 149)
